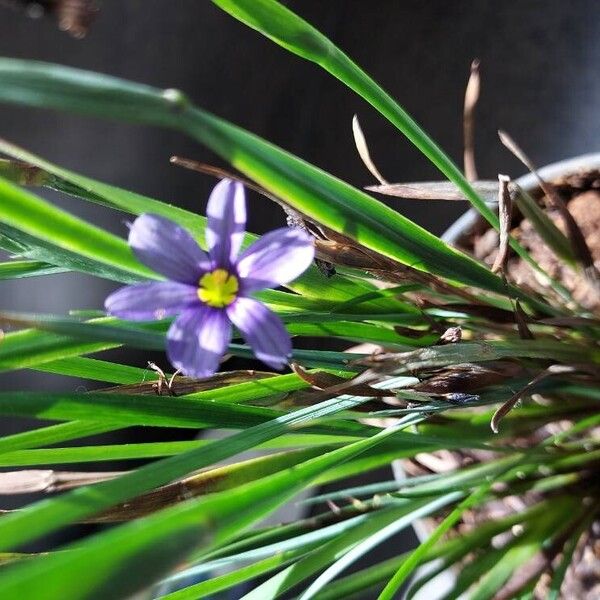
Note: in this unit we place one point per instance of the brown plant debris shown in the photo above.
(504, 214)
(363, 150)
(471, 98)
(73, 16)
(435, 190)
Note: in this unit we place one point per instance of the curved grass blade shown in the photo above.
(306, 188)
(30, 348)
(315, 561)
(127, 410)
(23, 246)
(450, 551)
(52, 434)
(415, 558)
(375, 539)
(33, 170)
(120, 452)
(24, 211)
(16, 269)
(287, 29)
(50, 515)
(227, 581)
(156, 539)
(358, 332)
(75, 337)
(98, 370)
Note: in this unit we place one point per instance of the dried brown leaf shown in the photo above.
(512, 401)
(363, 150)
(471, 98)
(521, 320)
(435, 190)
(186, 385)
(322, 381)
(468, 377)
(47, 480)
(504, 214)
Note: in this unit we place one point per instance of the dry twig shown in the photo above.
(471, 99)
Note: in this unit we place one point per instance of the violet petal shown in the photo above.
(263, 330)
(197, 340)
(168, 249)
(150, 301)
(226, 212)
(276, 258)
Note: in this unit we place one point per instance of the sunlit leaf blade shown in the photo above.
(105, 453)
(450, 551)
(287, 29)
(24, 246)
(16, 269)
(50, 515)
(357, 332)
(126, 410)
(227, 581)
(36, 171)
(293, 33)
(156, 539)
(352, 586)
(305, 187)
(65, 337)
(98, 370)
(314, 562)
(407, 567)
(108, 330)
(52, 434)
(211, 481)
(375, 538)
(36, 217)
(30, 347)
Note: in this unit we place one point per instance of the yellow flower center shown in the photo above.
(218, 288)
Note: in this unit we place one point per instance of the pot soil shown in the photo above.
(581, 192)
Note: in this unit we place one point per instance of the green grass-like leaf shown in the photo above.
(312, 283)
(50, 515)
(38, 218)
(169, 534)
(17, 269)
(305, 187)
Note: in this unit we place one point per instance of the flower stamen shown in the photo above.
(218, 288)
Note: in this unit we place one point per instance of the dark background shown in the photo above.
(539, 63)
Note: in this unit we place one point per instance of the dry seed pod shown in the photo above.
(468, 377)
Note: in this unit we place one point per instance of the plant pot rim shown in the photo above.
(529, 183)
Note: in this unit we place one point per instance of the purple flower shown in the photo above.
(211, 291)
